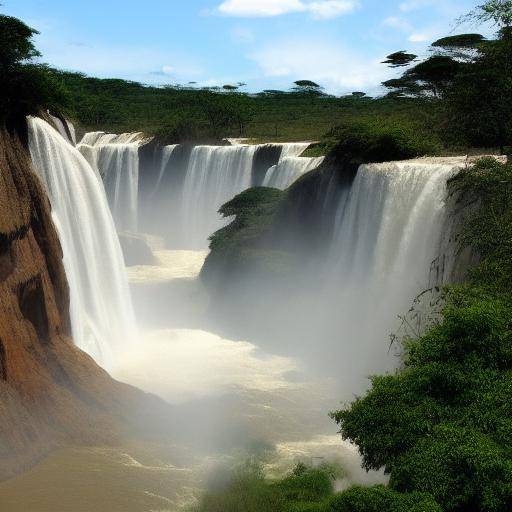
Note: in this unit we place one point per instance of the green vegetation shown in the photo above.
(178, 114)
(469, 78)
(239, 244)
(306, 490)
(27, 88)
(249, 491)
(443, 424)
(363, 142)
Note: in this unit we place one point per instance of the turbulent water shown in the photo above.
(116, 159)
(288, 170)
(101, 311)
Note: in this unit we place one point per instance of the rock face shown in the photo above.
(136, 249)
(51, 393)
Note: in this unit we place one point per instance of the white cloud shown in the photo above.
(168, 70)
(331, 9)
(321, 9)
(414, 5)
(419, 38)
(398, 23)
(242, 35)
(330, 65)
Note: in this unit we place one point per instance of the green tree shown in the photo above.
(442, 425)
(307, 87)
(27, 87)
(399, 59)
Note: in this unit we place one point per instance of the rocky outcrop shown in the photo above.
(136, 250)
(265, 157)
(51, 393)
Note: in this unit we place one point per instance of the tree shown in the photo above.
(462, 47)
(399, 59)
(16, 44)
(230, 88)
(498, 12)
(442, 424)
(307, 87)
(27, 87)
(480, 102)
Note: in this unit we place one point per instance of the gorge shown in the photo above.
(294, 272)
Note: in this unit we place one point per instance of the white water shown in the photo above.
(167, 152)
(291, 149)
(116, 159)
(101, 310)
(61, 128)
(387, 235)
(289, 170)
(215, 175)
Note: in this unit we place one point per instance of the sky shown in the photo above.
(267, 44)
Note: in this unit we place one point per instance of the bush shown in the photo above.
(442, 425)
(381, 499)
(249, 491)
(27, 88)
(374, 141)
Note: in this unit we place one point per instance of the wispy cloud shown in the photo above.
(398, 23)
(328, 64)
(320, 9)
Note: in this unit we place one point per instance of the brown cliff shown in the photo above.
(51, 393)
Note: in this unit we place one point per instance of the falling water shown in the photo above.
(293, 149)
(65, 128)
(101, 311)
(167, 152)
(288, 170)
(116, 158)
(215, 175)
(388, 233)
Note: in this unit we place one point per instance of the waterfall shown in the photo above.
(388, 232)
(65, 128)
(116, 158)
(291, 149)
(288, 170)
(167, 152)
(101, 310)
(215, 174)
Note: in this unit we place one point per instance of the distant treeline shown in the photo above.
(458, 98)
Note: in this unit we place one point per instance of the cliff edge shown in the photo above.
(51, 393)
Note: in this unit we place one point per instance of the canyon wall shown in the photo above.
(51, 393)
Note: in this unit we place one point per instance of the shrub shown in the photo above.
(377, 141)
(442, 425)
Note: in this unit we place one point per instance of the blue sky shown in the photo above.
(266, 43)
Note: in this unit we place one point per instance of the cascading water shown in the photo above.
(65, 128)
(215, 175)
(116, 158)
(288, 170)
(291, 149)
(388, 232)
(101, 310)
(167, 152)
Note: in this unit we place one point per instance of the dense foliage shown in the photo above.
(381, 141)
(467, 76)
(27, 87)
(247, 490)
(178, 114)
(238, 246)
(443, 424)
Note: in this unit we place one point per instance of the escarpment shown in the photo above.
(51, 393)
